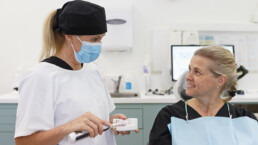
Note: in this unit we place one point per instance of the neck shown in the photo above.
(207, 106)
(67, 55)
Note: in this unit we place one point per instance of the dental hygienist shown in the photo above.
(61, 95)
(207, 119)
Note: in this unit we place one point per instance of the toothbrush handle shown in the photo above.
(82, 135)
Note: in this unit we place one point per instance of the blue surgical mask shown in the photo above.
(89, 51)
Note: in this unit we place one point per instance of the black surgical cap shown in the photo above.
(80, 18)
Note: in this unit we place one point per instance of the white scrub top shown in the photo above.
(51, 96)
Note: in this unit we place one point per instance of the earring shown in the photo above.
(217, 87)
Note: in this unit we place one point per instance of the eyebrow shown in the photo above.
(95, 37)
(195, 68)
(99, 35)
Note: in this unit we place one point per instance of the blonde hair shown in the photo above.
(52, 41)
(224, 64)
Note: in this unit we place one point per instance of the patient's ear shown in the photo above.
(222, 80)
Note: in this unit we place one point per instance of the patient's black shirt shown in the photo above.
(160, 134)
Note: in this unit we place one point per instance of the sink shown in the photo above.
(124, 95)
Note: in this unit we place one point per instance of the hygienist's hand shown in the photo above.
(120, 116)
(87, 122)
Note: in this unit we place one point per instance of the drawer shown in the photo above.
(7, 111)
(131, 113)
(7, 127)
(8, 106)
(7, 119)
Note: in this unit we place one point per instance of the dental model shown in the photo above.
(125, 125)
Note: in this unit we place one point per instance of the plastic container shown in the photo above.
(128, 84)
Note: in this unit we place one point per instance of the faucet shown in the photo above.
(117, 84)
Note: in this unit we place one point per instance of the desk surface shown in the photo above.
(250, 98)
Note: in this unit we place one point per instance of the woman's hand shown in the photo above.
(120, 116)
(87, 122)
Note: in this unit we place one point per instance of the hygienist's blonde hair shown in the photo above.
(224, 64)
(52, 41)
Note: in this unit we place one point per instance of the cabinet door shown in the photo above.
(7, 123)
(131, 111)
(150, 112)
(131, 139)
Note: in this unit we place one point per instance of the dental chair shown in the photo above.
(179, 88)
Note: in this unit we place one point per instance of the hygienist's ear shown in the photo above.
(222, 80)
(69, 38)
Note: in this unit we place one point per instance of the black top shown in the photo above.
(160, 134)
(58, 62)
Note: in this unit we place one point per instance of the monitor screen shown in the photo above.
(181, 56)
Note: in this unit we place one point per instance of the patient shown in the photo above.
(212, 73)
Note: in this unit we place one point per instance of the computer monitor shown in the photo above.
(181, 56)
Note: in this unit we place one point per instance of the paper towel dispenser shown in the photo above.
(119, 36)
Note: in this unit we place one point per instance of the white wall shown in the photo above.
(22, 21)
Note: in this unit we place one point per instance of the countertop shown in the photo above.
(249, 97)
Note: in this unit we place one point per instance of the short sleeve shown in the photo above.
(35, 106)
(239, 112)
(111, 104)
(251, 115)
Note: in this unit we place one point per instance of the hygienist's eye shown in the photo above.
(95, 39)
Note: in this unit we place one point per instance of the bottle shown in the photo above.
(146, 72)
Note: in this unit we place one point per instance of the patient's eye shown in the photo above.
(197, 72)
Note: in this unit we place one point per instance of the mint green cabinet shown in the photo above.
(145, 113)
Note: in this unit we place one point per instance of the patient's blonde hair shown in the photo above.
(52, 41)
(224, 63)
